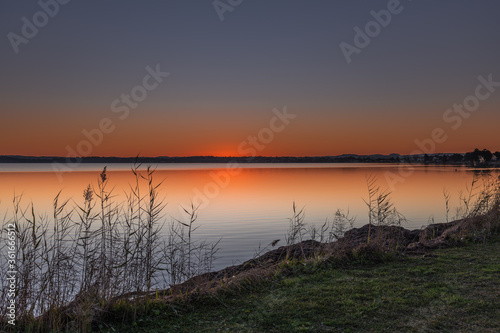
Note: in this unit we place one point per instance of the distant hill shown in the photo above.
(475, 158)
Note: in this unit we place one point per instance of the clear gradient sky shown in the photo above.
(227, 76)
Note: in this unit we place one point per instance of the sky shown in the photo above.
(248, 77)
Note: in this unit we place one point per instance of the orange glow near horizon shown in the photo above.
(216, 136)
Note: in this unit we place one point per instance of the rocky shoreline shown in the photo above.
(383, 239)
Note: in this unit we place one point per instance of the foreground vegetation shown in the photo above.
(103, 265)
(451, 290)
(70, 266)
(380, 277)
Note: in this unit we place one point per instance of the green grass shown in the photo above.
(456, 291)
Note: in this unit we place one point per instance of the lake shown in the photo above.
(248, 205)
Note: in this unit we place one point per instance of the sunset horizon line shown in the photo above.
(414, 153)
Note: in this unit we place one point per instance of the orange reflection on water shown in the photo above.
(264, 190)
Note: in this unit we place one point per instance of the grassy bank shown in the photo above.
(454, 289)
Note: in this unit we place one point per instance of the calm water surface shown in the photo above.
(250, 205)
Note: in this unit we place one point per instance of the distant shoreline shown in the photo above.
(442, 158)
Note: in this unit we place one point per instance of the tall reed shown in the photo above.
(71, 265)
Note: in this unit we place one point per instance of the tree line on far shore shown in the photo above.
(477, 157)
